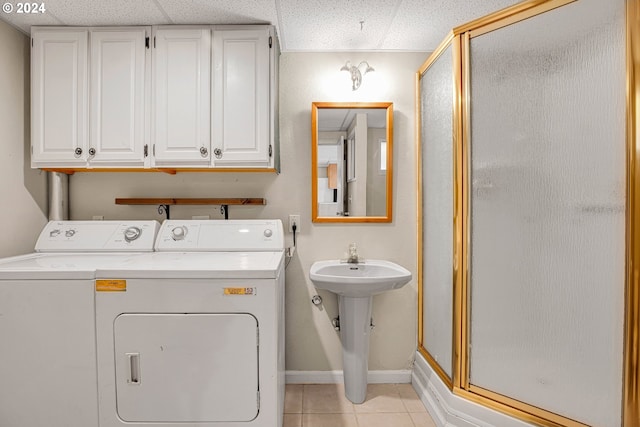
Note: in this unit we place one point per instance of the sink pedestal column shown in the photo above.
(355, 327)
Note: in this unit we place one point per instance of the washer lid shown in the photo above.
(56, 266)
(98, 236)
(198, 265)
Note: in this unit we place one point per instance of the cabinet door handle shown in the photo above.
(203, 151)
(77, 152)
(218, 153)
(92, 151)
(133, 363)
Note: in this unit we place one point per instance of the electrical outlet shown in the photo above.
(294, 219)
(97, 217)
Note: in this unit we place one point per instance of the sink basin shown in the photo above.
(363, 279)
(355, 285)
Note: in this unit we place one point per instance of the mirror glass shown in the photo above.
(351, 161)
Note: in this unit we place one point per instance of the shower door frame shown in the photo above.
(459, 39)
(453, 41)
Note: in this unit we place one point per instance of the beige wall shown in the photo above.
(22, 190)
(312, 343)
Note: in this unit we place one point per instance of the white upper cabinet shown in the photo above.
(154, 97)
(118, 67)
(241, 132)
(59, 98)
(182, 96)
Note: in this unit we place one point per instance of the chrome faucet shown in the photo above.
(353, 254)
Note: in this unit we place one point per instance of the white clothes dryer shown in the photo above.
(193, 334)
(47, 320)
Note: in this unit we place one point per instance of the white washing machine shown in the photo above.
(193, 334)
(47, 320)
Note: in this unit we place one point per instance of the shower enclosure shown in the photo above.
(527, 212)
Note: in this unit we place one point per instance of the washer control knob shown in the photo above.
(132, 233)
(178, 233)
(70, 233)
(268, 232)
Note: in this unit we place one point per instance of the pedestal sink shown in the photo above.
(355, 284)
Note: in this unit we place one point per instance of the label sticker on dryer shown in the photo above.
(240, 291)
(111, 285)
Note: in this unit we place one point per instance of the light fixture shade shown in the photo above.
(356, 74)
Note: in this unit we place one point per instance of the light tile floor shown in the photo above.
(325, 405)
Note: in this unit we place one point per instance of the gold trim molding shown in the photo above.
(444, 44)
(463, 236)
(515, 408)
(436, 367)
(388, 216)
(459, 305)
(631, 392)
(509, 15)
(420, 228)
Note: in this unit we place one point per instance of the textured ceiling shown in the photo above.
(303, 25)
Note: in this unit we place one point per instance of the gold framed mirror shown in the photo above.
(351, 161)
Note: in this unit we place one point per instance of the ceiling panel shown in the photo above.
(24, 21)
(422, 25)
(110, 12)
(303, 25)
(333, 25)
(221, 11)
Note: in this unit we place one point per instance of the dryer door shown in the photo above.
(186, 367)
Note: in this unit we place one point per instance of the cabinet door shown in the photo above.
(241, 132)
(59, 98)
(182, 96)
(117, 96)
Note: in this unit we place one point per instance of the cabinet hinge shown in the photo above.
(146, 150)
(146, 42)
(270, 42)
(270, 150)
(154, 42)
(31, 42)
(154, 150)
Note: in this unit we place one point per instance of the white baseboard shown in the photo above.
(449, 410)
(335, 377)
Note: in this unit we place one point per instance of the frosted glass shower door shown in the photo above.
(436, 136)
(547, 206)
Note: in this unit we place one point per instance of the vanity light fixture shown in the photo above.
(356, 74)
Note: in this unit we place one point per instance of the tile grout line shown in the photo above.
(354, 412)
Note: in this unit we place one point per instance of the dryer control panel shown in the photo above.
(98, 236)
(220, 235)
